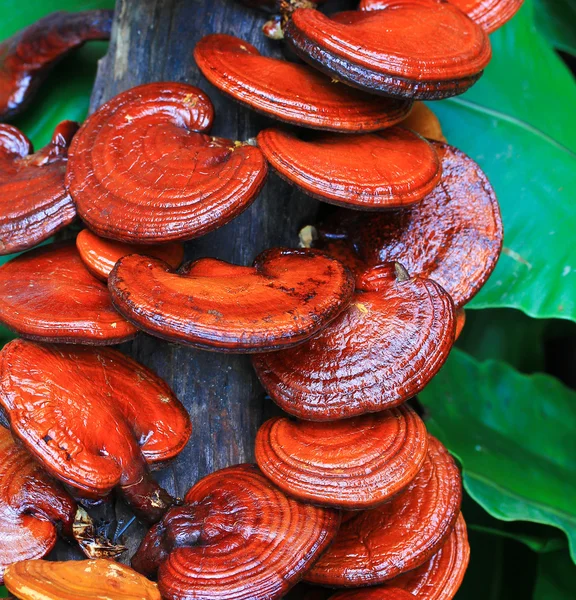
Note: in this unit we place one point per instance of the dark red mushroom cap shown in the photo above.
(34, 203)
(142, 170)
(100, 255)
(384, 348)
(93, 418)
(374, 593)
(454, 236)
(355, 463)
(33, 506)
(290, 92)
(237, 536)
(47, 294)
(398, 536)
(388, 169)
(286, 297)
(26, 57)
(420, 49)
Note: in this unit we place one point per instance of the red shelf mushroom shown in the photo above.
(93, 418)
(454, 236)
(286, 297)
(237, 536)
(142, 170)
(388, 169)
(33, 507)
(48, 295)
(374, 593)
(34, 203)
(355, 464)
(391, 340)
(27, 57)
(100, 255)
(290, 92)
(398, 536)
(420, 49)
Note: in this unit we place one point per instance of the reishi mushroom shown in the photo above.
(100, 255)
(419, 49)
(400, 535)
(374, 593)
(93, 418)
(286, 297)
(97, 579)
(355, 464)
(291, 92)
(236, 536)
(47, 294)
(27, 57)
(34, 203)
(384, 348)
(142, 169)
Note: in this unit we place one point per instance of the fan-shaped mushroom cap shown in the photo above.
(34, 203)
(141, 170)
(400, 535)
(489, 14)
(100, 255)
(93, 417)
(419, 49)
(424, 122)
(32, 506)
(286, 297)
(454, 236)
(237, 536)
(355, 464)
(384, 348)
(98, 579)
(388, 169)
(47, 294)
(26, 57)
(291, 92)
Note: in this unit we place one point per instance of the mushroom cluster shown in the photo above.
(348, 490)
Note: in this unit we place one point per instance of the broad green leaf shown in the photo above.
(556, 20)
(514, 435)
(556, 578)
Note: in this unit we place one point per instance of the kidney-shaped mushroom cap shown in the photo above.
(26, 57)
(454, 236)
(400, 535)
(34, 203)
(100, 255)
(97, 579)
(141, 170)
(419, 49)
(286, 297)
(372, 171)
(384, 348)
(93, 417)
(32, 506)
(291, 92)
(355, 463)
(47, 294)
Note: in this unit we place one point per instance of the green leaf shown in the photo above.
(514, 435)
(556, 20)
(556, 578)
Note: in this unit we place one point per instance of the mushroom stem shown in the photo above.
(92, 544)
(147, 499)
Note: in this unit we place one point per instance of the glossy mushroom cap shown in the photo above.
(33, 506)
(47, 294)
(98, 579)
(100, 255)
(26, 57)
(383, 349)
(93, 418)
(286, 297)
(460, 321)
(454, 236)
(424, 122)
(142, 170)
(419, 49)
(355, 464)
(290, 92)
(398, 536)
(34, 203)
(375, 171)
(237, 536)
